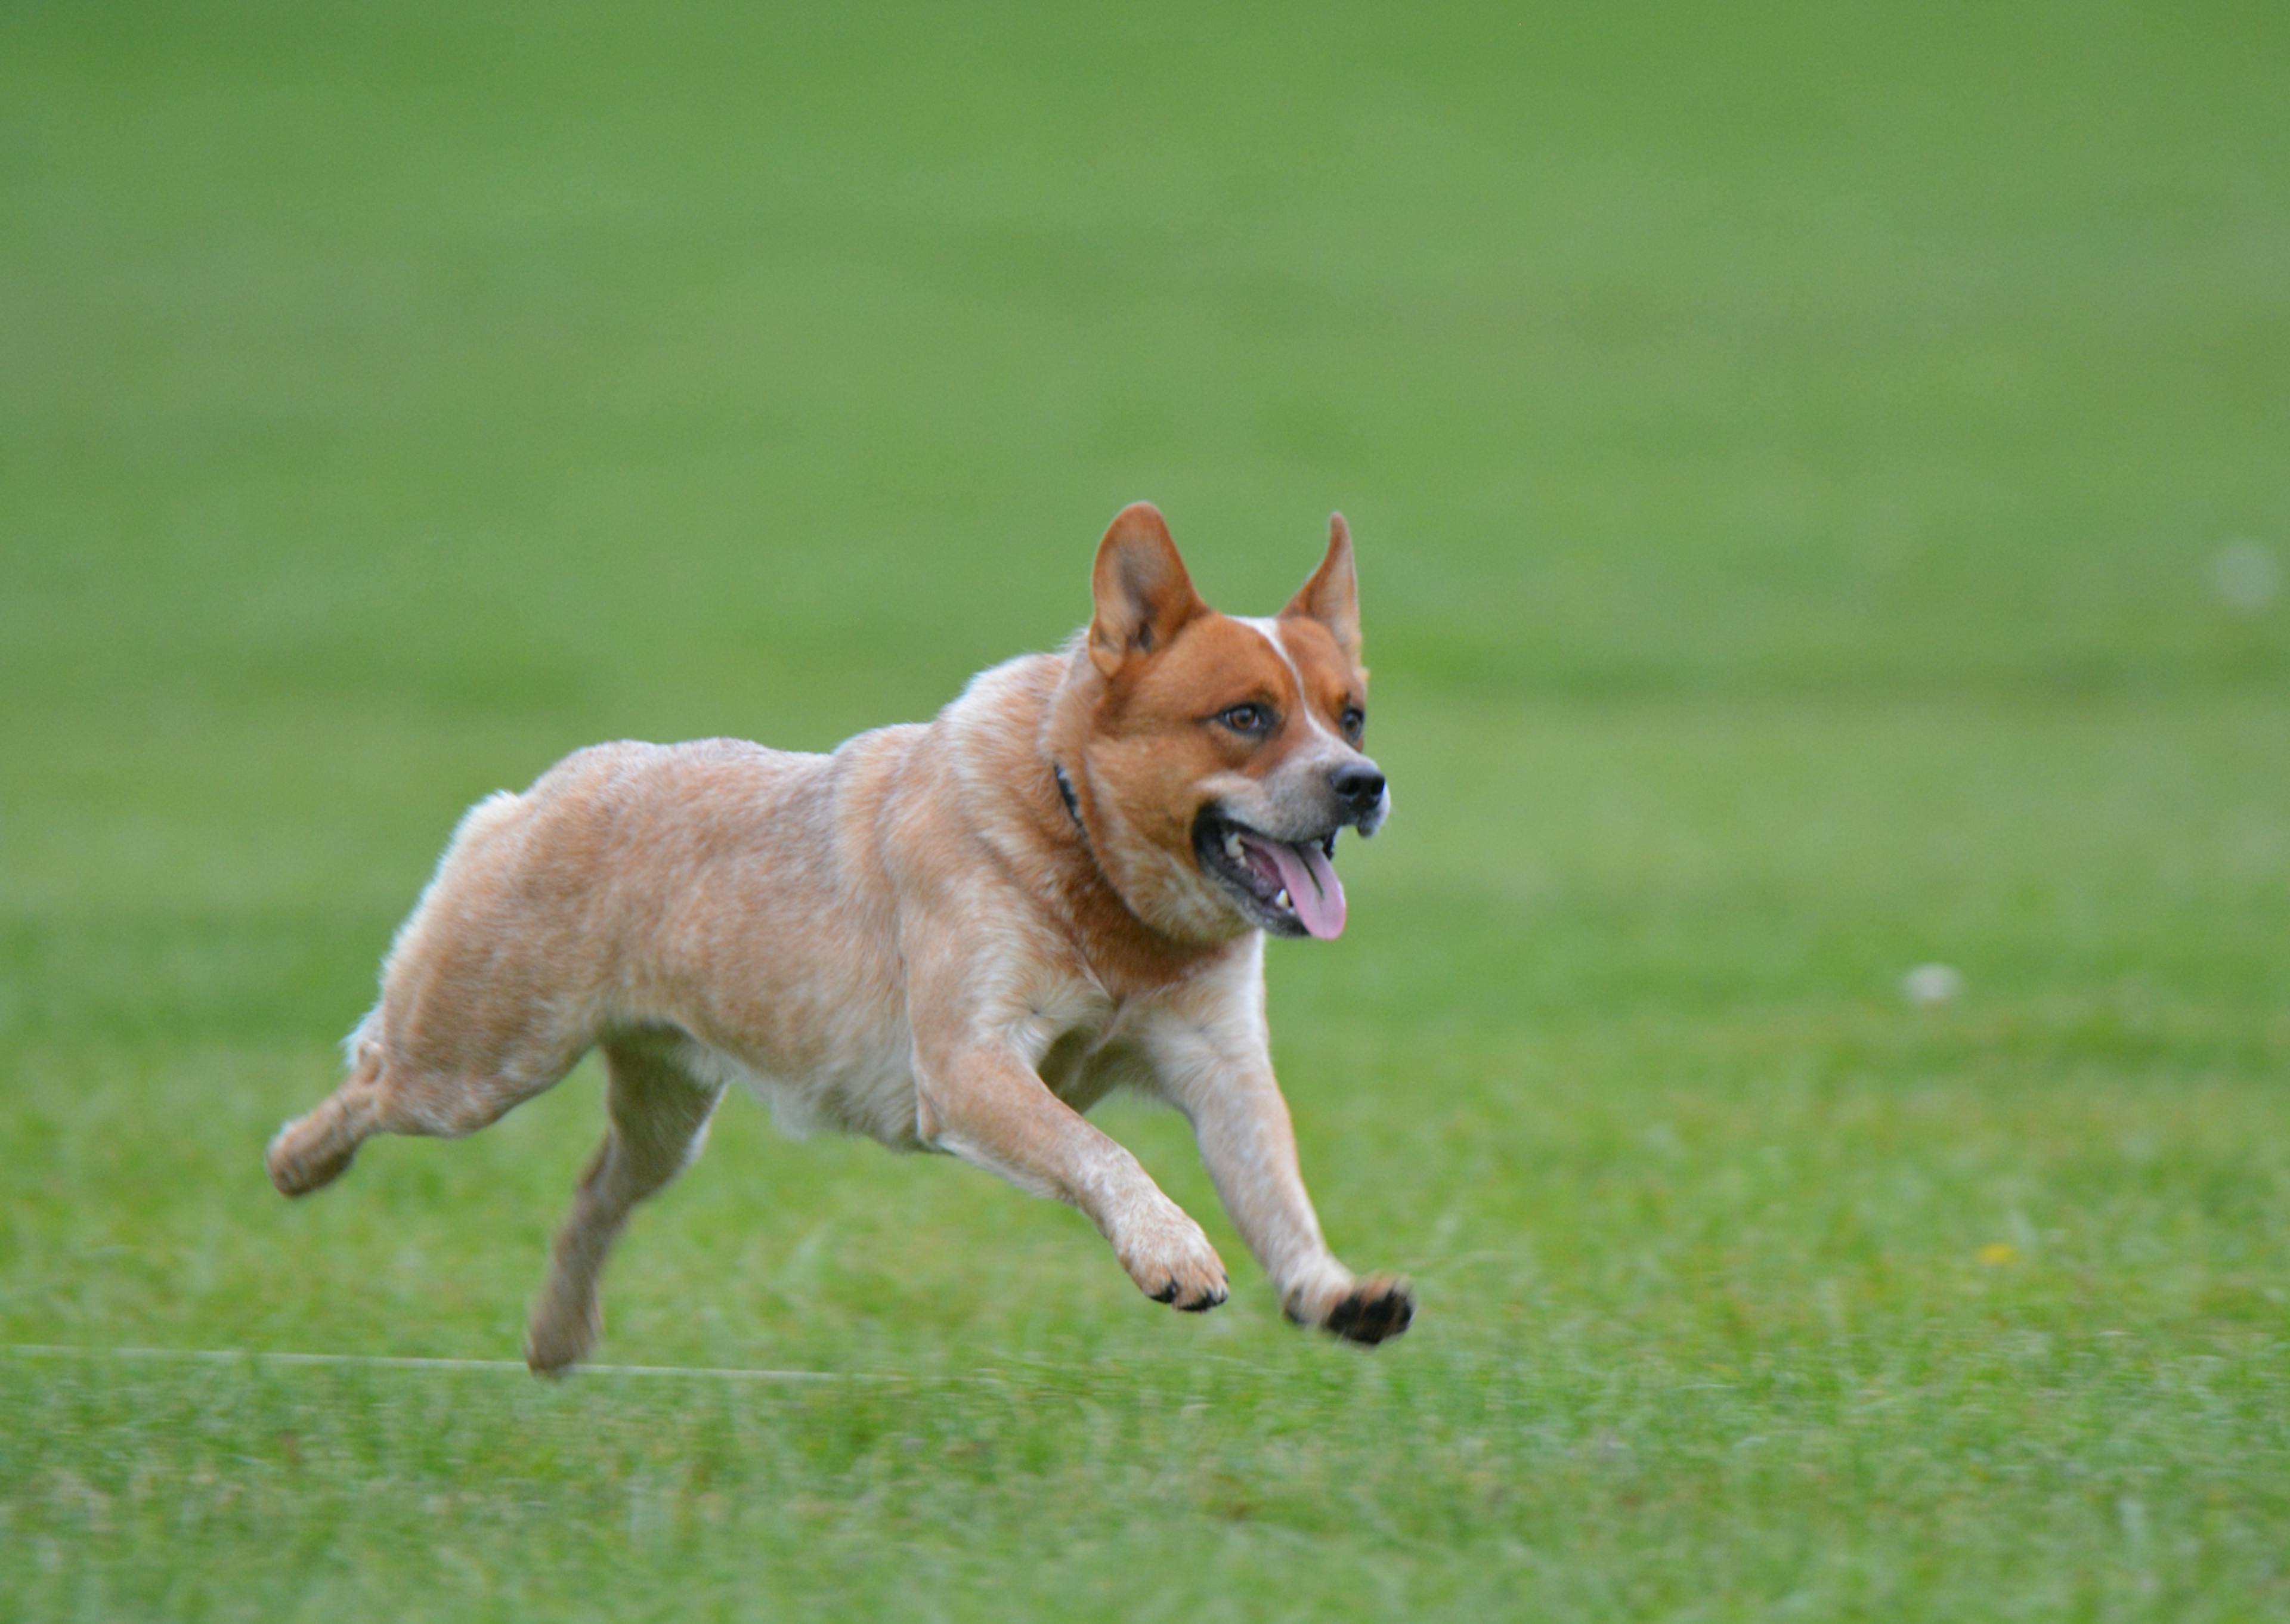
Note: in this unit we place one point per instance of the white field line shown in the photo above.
(406, 1362)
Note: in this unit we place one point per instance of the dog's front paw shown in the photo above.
(1370, 1310)
(1172, 1262)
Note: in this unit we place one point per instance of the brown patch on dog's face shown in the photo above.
(1223, 754)
(1166, 727)
(1332, 681)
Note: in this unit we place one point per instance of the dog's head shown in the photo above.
(1223, 756)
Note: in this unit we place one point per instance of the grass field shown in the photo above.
(1817, 471)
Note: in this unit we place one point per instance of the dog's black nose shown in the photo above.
(1357, 785)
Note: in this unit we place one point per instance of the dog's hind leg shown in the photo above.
(658, 1113)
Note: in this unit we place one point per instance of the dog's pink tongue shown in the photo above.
(1314, 890)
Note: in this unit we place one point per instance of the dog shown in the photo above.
(956, 936)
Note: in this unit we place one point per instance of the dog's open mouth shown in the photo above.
(1290, 888)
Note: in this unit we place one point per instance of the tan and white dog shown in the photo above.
(956, 936)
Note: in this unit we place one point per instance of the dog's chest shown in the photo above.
(1086, 1043)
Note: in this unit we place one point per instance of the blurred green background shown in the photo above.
(1821, 475)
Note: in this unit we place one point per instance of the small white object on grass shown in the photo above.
(1932, 984)
(2246, 577)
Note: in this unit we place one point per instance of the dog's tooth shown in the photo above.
(1232, 845)
(1280, 899)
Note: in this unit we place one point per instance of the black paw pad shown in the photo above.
(1372, 1314)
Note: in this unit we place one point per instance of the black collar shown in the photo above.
(1073, 806)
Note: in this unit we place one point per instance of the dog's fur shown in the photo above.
(954, 936)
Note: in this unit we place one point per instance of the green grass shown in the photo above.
(1788, 446)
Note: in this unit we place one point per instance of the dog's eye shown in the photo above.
(1250, 719)
(1354, 722)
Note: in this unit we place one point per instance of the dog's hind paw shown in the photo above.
(560, 1335)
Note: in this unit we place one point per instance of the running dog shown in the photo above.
(956, 936)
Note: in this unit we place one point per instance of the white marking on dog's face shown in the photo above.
(1271, 631)
(1292, 801)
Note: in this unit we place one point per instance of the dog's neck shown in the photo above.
(1065, 695)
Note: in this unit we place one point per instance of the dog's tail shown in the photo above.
(311, 1152)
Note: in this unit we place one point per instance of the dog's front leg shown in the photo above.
(981, 1101)
(1227, 1092)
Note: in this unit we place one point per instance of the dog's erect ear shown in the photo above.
(1142, 592)
(1331, 596)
